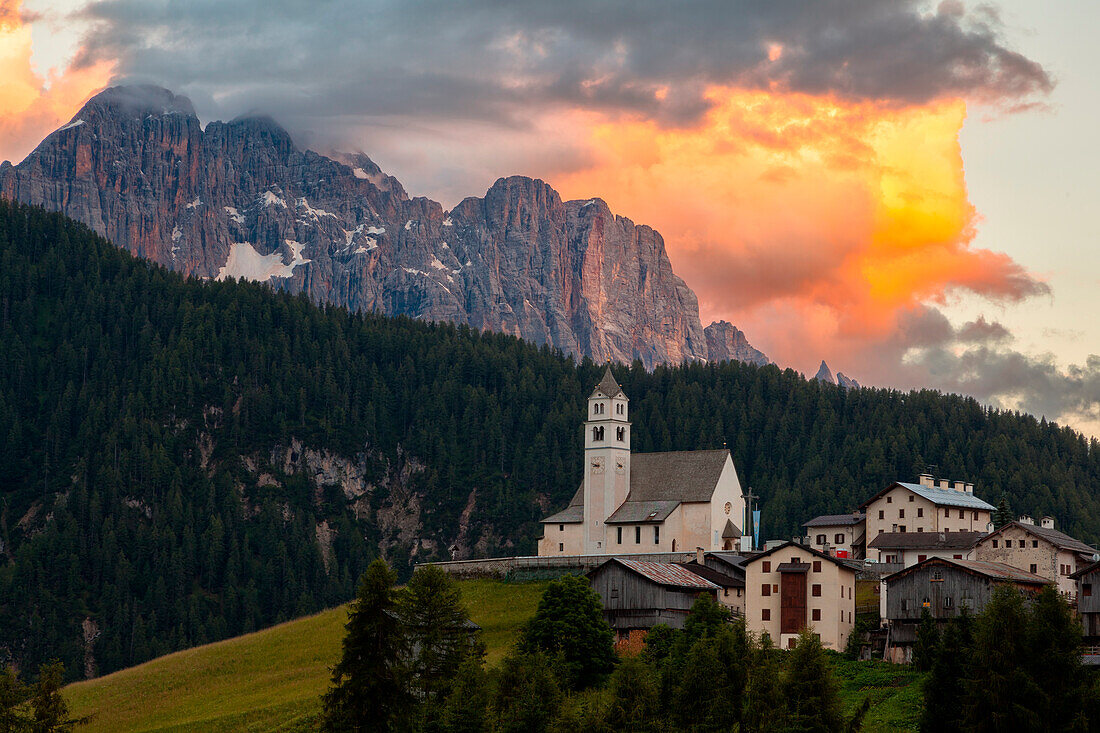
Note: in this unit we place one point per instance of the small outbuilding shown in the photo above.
(638, 594)
(1088, 601)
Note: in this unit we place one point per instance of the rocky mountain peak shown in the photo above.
(726, 342)
(824, 374)
(240, 199)
(846, 382)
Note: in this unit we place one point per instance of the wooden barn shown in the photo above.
(943, 586)
(638, 594)
(1088, 601)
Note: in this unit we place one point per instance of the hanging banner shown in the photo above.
(755, 528)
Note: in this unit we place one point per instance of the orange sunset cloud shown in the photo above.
(831, 218)
(32, 105)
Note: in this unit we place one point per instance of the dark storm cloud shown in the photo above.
(973, 360)
(499, 61)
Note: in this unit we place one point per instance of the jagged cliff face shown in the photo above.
(238, 199)
(726, 342)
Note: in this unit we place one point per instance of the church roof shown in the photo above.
(658, 482)
(730, 531)
(608, 387)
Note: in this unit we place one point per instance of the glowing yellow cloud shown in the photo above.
(828, 217)
(31, 106)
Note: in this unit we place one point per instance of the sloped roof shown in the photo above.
(925, 540)
(641, 512)
(1060, 540)
(666, 574)
(940, 497)
(715, 576)
(836, 520)
(608, 387)
(730, 532)
(816, 553)
(658, 478)
(992, 570)
(731, 559)
(1086, 570)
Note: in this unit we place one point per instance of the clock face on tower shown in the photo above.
(728, 507)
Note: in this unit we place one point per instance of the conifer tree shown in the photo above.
(1054, 662)
(370, 684)
(528, 694)
(634, 697)
(943, 688)
(763, 707)
(928, 642)
(810, 689)
(466, 709)
(569, 623)
(1002, 515)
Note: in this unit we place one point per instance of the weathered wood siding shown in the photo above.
(622, 590)
(1090, 603)
(944, 596)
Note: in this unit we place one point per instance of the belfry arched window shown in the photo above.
(597, 432)
(620, 434)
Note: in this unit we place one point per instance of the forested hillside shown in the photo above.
(182, 461)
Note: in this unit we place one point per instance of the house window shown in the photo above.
(619, 535)
(614, 592)
(766, 614)
(937, 575)
(561, 547)
(726, 592)
(657, 534)
(905, 604)
(839, 539)
(1008, 544)
(1034, 568)
(920, 529)
(817, 566)
(766, 589)
(901, 514)
(618, 409)
(637, 535)
(1086, 589)
(815, 590)
(920, 511)
(1035, 543)
(994, 544)
(821, 539)
(816, 615)
(958, 557)
(947, 513)
(948, 602)
(910, 498)
(901, 527)
(962, 514)
(766, 566)
(561, 527)
(889, 500)
(881, 514)
(974, 516)
(922, 558)
(775, 587)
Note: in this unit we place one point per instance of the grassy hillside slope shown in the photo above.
(269, 680)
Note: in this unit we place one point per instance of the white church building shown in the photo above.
(643, 502)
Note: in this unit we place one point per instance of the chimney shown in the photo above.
(1047, 522)
(926, 479)
(960, 486)
(1025, 519)
(969, 488)
(699, 555)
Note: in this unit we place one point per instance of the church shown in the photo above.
(643, 502)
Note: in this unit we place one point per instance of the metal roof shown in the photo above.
(715, 576)
(642, 512)
(836, 520)
(993, 570)
(925, 540)
(940, 497)
(608, 387)
(666, 574)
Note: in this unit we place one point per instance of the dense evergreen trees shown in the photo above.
(135, 404)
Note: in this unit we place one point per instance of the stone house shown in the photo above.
(843, 535)
(792, 587)
(927, 506)
(1039, 549)
(943, 586)
(643, 502)
(638, 594)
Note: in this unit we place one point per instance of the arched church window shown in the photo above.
(597, 432)
(620, 434)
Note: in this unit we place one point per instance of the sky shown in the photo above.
(899, 188)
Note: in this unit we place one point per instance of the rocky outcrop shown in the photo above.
(824, 374)
(726, 342)
(846, 382)
(239, 199)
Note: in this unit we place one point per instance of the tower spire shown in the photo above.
(608, 387)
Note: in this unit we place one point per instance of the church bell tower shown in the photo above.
(606, 460)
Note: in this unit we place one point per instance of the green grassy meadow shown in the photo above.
(270, 680)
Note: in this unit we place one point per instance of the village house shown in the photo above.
(1088, 601)
(643, 502)
(639, 594)
(792, 587)
(926, 506)
(910, 548)
(1040, 549)
(943, 586)
(842, 535)
(725, 570)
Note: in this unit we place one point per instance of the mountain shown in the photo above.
(726, 342)
(185, 460)
(239, 199)
(846, 382)
(824, 374)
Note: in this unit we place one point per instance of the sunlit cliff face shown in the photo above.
(33, 104)
(805, 219)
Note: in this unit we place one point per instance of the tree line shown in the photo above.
(139, 409)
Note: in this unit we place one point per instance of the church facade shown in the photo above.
(631, 503)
